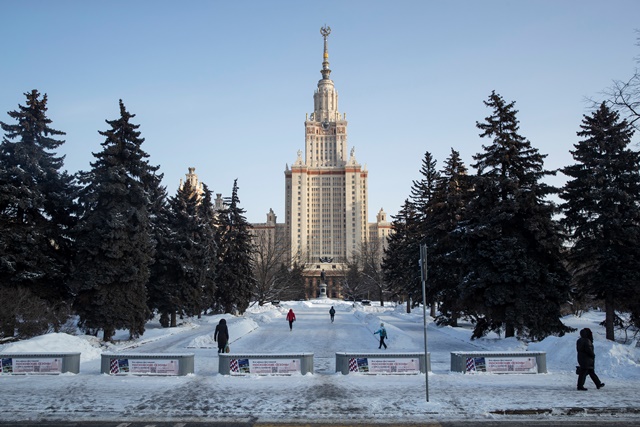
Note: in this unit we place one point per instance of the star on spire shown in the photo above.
(325, 31)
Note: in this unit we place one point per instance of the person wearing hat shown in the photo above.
(586, 360)
(383, 334)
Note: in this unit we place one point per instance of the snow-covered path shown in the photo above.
(324, 396)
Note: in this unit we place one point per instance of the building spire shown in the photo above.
(325, 31)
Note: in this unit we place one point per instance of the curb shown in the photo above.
(570, 411)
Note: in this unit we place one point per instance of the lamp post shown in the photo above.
(423, 275)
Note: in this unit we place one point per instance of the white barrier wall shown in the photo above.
(383, 363)
(519, 362)
(265, 364)
(147, 364)
(39, 363)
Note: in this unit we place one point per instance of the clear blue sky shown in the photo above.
(224, 86)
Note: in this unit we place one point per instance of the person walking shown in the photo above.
(291, 317)
(383, 334)
(586, 360)
(221, 335)
(332, 313)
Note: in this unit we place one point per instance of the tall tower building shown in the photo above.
(326, 188)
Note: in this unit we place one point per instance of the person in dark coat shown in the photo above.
(586, 359)
(221, 335)
(332, 313)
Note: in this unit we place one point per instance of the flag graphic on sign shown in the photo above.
(119, 366)
(233, 365)
(114, 368)
(353, 365)
(476, 364)
(7, 365)
(471, 364)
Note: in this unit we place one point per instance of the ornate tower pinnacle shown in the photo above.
(325, 31)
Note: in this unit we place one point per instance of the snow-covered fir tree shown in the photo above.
(515, 279)
(422, 190)
(113, 235)
(36, 213)
(207, 216)
(400, 260)
(445, 211)
(602, 214)
(158, 296)
(234, 275)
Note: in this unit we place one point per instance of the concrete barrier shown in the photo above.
(147, 364)
(265, 364)
(39, 363)
(518, 362)
(383, 363)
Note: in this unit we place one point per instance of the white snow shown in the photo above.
(324, 396)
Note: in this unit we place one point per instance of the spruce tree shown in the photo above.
(400, 261)
(422, 191)
(36, 213)
(158, 288)
(602, 214)
(515, 278)
(114, 242)
(207, 215)
(446, 210)
(191, 251)
(234, 276)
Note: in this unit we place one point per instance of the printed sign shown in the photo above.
(144, 366)
(503, 365)
(32, 365)
(264, 366)
(384, 365)
(6, 365)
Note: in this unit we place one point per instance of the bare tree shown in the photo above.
(277, 276)
(353, 284)
(624, 95)
(363, 272)
(370, 255)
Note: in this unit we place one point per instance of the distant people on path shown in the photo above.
(291, 317)
(332, 312)
(221, 335)
(383, 334)
(586, 359)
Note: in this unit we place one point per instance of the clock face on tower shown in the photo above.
(325, 125)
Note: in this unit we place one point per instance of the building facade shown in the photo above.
(326, 196)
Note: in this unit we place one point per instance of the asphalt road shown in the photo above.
(502, 423)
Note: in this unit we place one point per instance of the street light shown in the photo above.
(423, 274)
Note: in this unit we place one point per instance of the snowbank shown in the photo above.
(87, 345)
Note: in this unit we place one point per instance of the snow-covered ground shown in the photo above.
(325, 395)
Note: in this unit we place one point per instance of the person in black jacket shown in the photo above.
(221, 335)
(586, 359)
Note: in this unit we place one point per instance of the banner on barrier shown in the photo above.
(264, 366)
(384, 365)
(144, 366)
(32, 365)
(502, 365)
